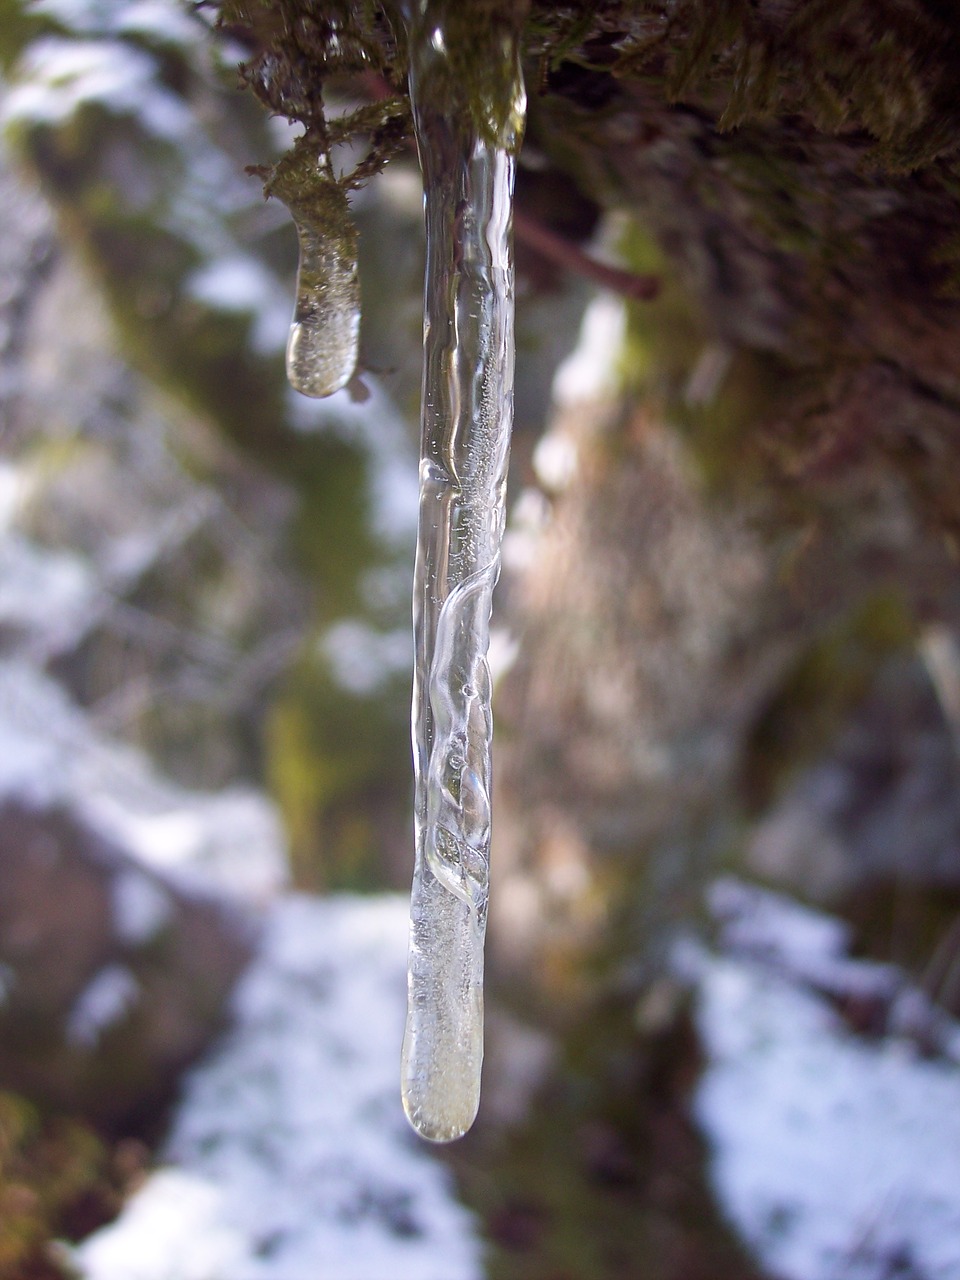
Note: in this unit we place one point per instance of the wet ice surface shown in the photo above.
(289, 1159)
(467, 415)
(325, 333)
(837, 1157)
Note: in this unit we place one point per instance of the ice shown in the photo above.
(324, 339)
(467, 156)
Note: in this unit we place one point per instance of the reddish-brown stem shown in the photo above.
(549, 244)
(572, 258)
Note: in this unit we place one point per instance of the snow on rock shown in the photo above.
(289, 1157)
(103, 1003)
(361, 658)
(228, 842)
(798, 941)
(47, 597)
(142, 907)
(835, 1156)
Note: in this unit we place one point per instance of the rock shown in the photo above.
(881, 804)
(112, 979)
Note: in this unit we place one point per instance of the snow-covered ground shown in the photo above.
(835, 1156)
(289, 1157)
(227, 842)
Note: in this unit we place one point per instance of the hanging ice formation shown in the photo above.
(325, 331)
(468, 105)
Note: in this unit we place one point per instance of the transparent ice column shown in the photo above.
(468, 104)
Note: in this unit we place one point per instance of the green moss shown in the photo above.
(914, 927)
(57, 1179)
(829, 679)
(19, 25)
(338, 766)
(716, 394)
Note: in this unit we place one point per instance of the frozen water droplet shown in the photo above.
(325, 333)
(323, 345)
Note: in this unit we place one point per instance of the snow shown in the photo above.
(555, 461)
(362, 659)
(765, 923)
(7, 982)
(164, 21)
(240, 283)
(11, 493)
(798, 941)
(289, 1157)
(58, 76)
(113, 59)
(378, 428)
(102, 1003)
(227, 842)
(50, 596)
(590, 371)
(169, 1230)
(833, 1155)
(141, 907)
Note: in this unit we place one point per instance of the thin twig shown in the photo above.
(571, 257)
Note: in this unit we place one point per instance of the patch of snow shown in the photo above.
(764, 923)
(555, 461)
(523, 539)
(290, 1158)
(834, 1156)
(51, 596)
(799, 941)
(170, 1232)
(11, 494)
(243, 284)
(57, 76)
(163, 21)
(229, 842)
(141, 907)
(103, 1002)
(502, 654)
(8, 980)
(362, 659)
(379, 429)
(590, 371)
(204, 190)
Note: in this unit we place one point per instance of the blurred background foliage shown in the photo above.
(731, 569)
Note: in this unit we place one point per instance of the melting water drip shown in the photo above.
(468, 134)
(322, 347)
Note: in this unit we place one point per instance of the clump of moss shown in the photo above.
(58, 1180)
(825, 684)
(338, 766)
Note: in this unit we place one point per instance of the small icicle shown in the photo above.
(468, 105)
(324, 336)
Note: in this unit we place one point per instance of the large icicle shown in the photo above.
(468, 104)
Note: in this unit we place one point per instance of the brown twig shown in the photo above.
(572, 258)
(549, 244)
